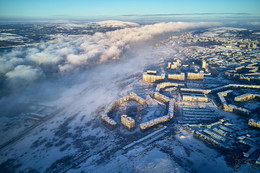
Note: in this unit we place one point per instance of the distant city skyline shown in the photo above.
(134, 9)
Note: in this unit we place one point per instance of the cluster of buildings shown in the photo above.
(188, 95)
(221, 133)
(132, 96)
(169, 102)
(225, 135)
(151, 76)
(231, 58)
(254, 123)
(254, 147)
(130, 122)
(148, 77)
(229, 107)
(160, 97)
(194, 97)
(246, 97)
(221, 51)
(247, 45)
(225, 87)
(249, 73)
(183, 96)
(190, 115)
(167, 84)
(194, 94)
(197, 115)
(161, 119)
(125, 120)
(174, 65)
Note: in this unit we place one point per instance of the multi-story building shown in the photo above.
(195, 76)
(150, 76)
(176, 76)
(204, 64)
(192, 97)
(127, 121)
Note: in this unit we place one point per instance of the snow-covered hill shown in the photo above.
(116, 23)
(222, 31)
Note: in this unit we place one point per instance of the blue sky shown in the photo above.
(126, 8)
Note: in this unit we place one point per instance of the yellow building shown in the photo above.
(108, 120)
(152, 77)
(195, 76)
(204, 91)
(154, 122)
(204, 64)
(176, 76)
(174, 65)
(195, 98)
(254, 123)
(246, 97)
(127, 121)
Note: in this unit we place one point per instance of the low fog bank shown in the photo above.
(94, 86)
(64, 68)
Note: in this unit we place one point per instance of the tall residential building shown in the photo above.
(128, 121)
(204, 64)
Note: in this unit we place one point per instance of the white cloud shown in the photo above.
(23, 74)
(69, 53)
(254, 23)
(5, 66)
(44, 58)
(77, 59)
(65, 68)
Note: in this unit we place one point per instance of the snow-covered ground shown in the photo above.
(10, 37)
(115, 23)
(75, 140)
(221, 31)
